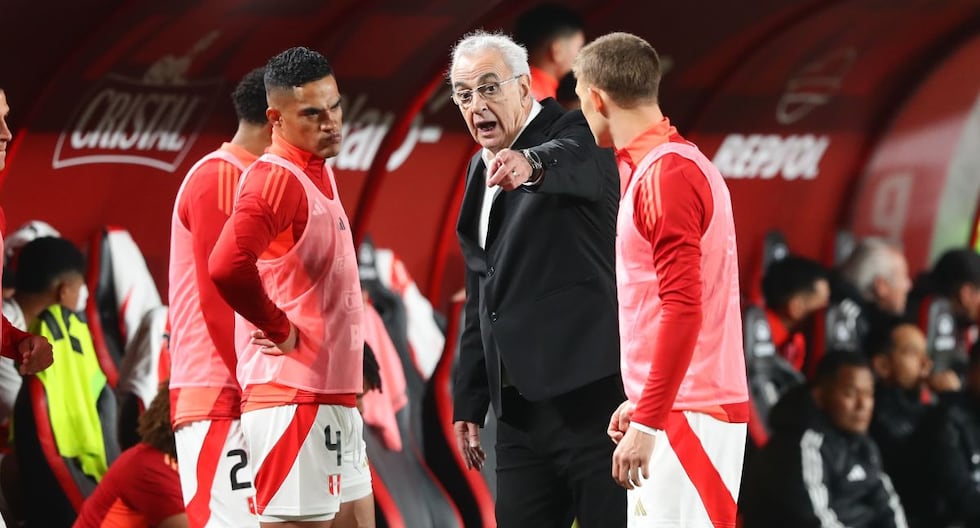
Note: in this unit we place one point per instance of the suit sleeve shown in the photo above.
(573, 164)
(471, 390)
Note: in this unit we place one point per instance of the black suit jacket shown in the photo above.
(541, 299)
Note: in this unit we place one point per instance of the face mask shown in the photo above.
(82, 299)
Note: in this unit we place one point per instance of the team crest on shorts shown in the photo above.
(333, 484)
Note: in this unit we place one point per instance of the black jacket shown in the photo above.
(947, 462)
(541, 300)
(812, 475)
(898, 413)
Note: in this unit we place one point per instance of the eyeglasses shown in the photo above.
(489, 92)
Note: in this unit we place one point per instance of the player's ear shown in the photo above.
(600, 100)
(274, 115)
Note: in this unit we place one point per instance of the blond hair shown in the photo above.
(623, 65)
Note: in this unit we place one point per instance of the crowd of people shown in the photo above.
(603, 326)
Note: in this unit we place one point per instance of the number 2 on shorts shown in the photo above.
(242, 463)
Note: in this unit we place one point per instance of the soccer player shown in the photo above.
(215, 475)
(677, 278)
(285, 261)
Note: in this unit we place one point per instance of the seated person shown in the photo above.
(876, 277)
(794, 289)
(820, 468)
(903, 393)
(51, 276)
(142, 488)
(947, 459)
(52, 271)
(956, 276)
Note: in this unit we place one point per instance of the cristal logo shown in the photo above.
(137, 122)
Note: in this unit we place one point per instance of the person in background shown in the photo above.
(820, 467)
(553, 35)
(879, 273)
(945, 459)
(903, 394)
(794, 288)
(142, 488)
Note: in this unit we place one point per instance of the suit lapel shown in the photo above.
(469, 210)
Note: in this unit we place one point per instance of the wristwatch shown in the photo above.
(537, 168)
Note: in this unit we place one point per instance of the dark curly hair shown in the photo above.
(295, 67)
(249, 98)
(44, 261)
(372, 370)
(154, 427)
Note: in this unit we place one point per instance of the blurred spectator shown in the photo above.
(902, 396)
(142, 488)
(794, 289)
(553, 35)
(52, 271)
(946, 458)
(565, 95)
(821, 468)
(880, 274)
(956, 276)
(876, 278)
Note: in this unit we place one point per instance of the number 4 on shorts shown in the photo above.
(334, 445)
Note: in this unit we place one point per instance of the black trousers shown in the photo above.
(554, 460)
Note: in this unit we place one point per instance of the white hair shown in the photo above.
(515, 55)
(873, 257)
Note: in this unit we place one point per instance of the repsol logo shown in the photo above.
(794, 157)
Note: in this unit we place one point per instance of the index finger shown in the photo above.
(497, 176)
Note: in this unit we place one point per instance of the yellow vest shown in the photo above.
(73, 384)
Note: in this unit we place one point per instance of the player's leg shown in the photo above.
(587, 454)
(357, 499)
(694, 475)
(200, 450)
(297, 459)
(532, 491)
(232, 490)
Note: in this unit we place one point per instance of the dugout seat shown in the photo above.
(769, 375)
(121, 292)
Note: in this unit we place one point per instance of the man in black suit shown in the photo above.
(537, 231)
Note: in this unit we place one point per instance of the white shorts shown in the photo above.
(695, 473)
(215, 475)
(308, 459)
